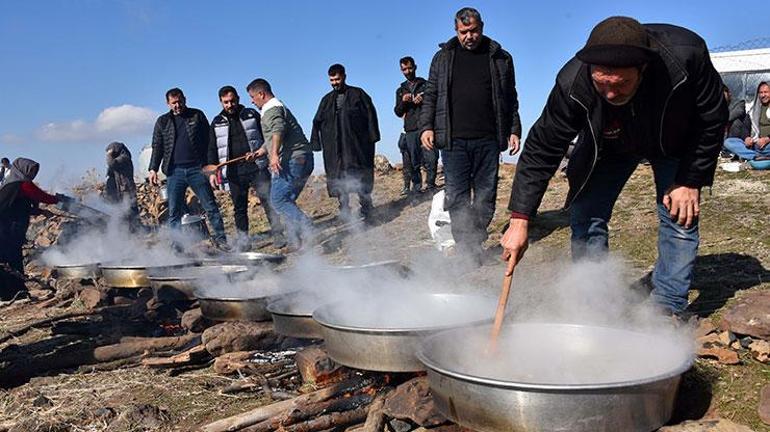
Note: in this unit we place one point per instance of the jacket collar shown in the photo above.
(666, 66)
(453, 43)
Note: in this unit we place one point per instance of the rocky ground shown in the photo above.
(727, 389)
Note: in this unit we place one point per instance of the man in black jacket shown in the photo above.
(409, 96)
(634, 91)
(236, 132)
(471, 112)
(345, 127)
(180, 141)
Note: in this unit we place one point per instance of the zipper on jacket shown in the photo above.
(663, 113)
(596, 151)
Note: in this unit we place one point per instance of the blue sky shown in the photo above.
(78, 74)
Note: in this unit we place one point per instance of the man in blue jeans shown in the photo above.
(470, 111)
(634, 91)
(290, 160)
(180, 141)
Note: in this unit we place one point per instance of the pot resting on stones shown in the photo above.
(244, 300)
(556, 377)
(124, 275)
(293, 316)
(383, 333)
(78, 271)
(176, 283)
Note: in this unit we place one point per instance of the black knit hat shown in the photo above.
(617, 42)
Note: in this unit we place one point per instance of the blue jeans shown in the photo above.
(737, 147)
(178, 181)
(284, 191)
(471, 165)
(677, 245)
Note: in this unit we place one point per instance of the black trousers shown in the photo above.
(470, 169)
(414, 156)
(240, 181)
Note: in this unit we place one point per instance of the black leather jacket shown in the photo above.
(436, 104)
(163, 139)
(688, 108)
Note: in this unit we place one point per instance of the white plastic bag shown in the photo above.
(439, 224)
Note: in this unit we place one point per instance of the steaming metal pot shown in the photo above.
(195, 225)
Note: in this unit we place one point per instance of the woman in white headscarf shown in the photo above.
(19, 200)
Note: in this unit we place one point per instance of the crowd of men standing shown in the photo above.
(633, 92)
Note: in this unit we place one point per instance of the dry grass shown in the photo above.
(735, 246)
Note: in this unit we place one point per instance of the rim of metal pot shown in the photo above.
(186, 278)
(110, 266)
(200, 296)
(275, 308)
(384, 263)
(397, 330)
(72, 266)
(430, 364)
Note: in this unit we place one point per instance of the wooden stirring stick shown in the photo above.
(500, 314)
(218, 166)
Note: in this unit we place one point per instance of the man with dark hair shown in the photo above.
(345, 127)
(236, 132)
(635, 92)
(471, 112)
(5, 166)
(180, 141)
(409, 96)
(290, 160)
(749, 135)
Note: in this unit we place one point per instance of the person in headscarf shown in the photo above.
(19, 200)
(120, 178)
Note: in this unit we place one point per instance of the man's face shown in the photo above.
(616, 85)
(230, 102)
(337, 81)
(469, 34)
(176, 104)
(764, 94)
(258, 98)
(408, 69)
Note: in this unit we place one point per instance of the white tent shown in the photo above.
(743, 70)
(754, 60)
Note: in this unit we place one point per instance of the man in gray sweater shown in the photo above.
(290, 159)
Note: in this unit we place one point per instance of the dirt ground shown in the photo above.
(734, 259)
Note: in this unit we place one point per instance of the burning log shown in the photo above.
(250, 418)
(375, 419)
(307, 412)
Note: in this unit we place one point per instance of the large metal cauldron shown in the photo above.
(134, 276)
(241, 301)
(556, 377)
(181, 283)
(293, 317)
(79, 271)
(384, 334)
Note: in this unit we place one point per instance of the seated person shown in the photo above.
(748, 137)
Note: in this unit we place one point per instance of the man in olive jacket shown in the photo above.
(470, 111)
(634, 91)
